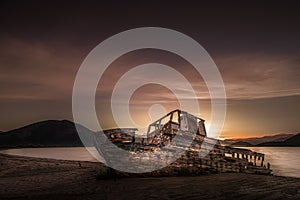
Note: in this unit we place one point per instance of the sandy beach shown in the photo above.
(38, 178)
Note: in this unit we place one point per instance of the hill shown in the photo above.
(56, 133)
(50, 133)
(293, 141)
(258, 140)
(290, 142)
(241, 144)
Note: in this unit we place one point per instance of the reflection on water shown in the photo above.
(285, 161)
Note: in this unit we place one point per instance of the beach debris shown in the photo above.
(179, 129)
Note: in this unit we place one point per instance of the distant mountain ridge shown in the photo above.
(258, 140)
(63, 133)
(290, 142)
(50, 133)
(242, 144)
(268, 141)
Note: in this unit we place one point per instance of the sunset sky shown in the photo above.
(256, 47)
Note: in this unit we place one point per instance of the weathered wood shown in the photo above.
(204, 154)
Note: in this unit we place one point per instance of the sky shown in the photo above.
(255, 45)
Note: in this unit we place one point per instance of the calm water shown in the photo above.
(285, 161)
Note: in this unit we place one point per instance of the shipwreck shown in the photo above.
(182, 130)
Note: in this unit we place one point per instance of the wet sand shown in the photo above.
(38, 178)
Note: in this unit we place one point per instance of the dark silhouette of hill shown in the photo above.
(55, 133)
(50, 133)
(258, 140)
(241, 144)
(293, 141)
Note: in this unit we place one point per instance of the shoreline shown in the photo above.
(36, 178)
(101, 166)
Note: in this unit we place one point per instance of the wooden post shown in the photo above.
(262, 160)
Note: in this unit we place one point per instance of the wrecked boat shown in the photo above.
(184, 133)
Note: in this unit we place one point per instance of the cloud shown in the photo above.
(34, 70)
(246, 75)
(34, 73)
(260, 75)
